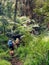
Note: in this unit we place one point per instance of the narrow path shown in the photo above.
(15, 61)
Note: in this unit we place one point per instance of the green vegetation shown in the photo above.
(35, 52)
(28, 15)
(4, 62)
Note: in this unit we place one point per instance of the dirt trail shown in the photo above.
(15, 61)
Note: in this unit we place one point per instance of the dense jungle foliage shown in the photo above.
(31, 19)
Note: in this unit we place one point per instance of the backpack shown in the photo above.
(10, 43)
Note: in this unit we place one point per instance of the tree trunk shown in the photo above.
(15, 12)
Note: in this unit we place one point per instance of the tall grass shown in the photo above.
(35, 51)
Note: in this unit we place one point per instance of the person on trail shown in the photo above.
(11, 46)
(17, 42)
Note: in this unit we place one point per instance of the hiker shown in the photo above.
(17, 42)
(11, 46)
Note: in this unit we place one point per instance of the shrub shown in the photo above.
(4, 62)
